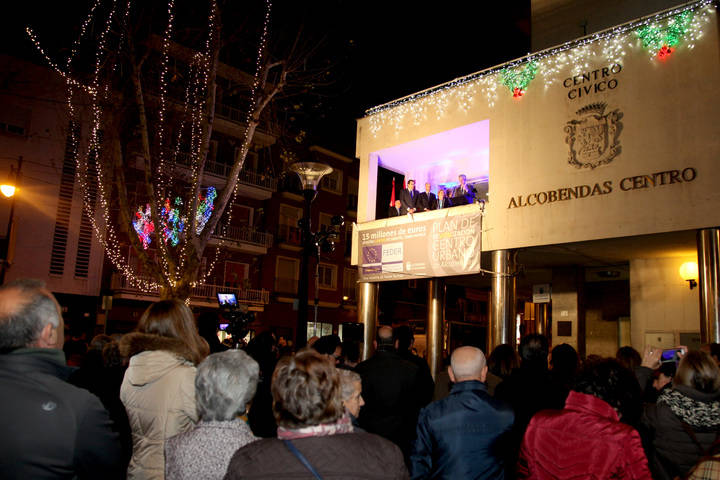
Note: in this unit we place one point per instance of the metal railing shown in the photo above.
(203, 291)
(223, 170)
(231, 113)
(245, 234)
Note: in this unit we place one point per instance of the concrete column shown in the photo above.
(502, 300)
(367, 314)
(568, 317)
(435, 320)
(708, 241)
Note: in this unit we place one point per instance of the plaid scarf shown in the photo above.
(344, 425)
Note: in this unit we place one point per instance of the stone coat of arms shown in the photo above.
(593, 136)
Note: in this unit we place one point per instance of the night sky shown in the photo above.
(378, 50)
(399, 48)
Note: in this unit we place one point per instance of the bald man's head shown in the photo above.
(467, 363)
(29, 316)
(384, 337)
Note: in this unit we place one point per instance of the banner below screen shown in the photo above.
(433, 244)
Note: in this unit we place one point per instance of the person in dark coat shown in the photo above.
(311, 419)
(393, 393)
(101, 373)
(208, 326)
(502, 362)
(463, 194)
(685, 421)
(403, 340)
(586, 439)
(50, 429)
(408, 198)
(396, 210)
(263, 349)
(528, 390)
(329, 345)
(563, 365)
(426, 200)
(450, 442)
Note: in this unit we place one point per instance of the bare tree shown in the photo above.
(129, 126)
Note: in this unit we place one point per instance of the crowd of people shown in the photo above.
(411, 201)
(158, 403)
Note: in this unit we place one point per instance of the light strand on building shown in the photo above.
(609, 46)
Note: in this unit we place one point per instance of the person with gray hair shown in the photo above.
(314, 436)
(460, 435)
(224, 386)
(351, 392)
(51, 429)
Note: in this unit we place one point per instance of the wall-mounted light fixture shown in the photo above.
(689, 273)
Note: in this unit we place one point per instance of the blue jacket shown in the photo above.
(459, 436)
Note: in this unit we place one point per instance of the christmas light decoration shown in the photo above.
(172, 222)
(517, 80)
(607, 47)
(205, 208)
(144, 226)
(663, 38)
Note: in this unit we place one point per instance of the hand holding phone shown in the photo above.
(673, 355)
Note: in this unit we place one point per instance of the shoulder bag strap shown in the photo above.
(689, 431)
(293, 449)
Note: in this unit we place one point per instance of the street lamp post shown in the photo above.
(310, 174)
(8, 189)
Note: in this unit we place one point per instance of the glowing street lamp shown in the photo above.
(310, 174)
(8, 189)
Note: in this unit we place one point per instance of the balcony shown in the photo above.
(231, 121)
(290, 237)
(242, 239)
(250, 184)
(201, 295)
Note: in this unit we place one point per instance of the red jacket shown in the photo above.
(585, 440)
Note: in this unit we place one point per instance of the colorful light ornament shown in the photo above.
(663, 39)
(172, 223)
(205, 208)
(143, 225)
(517, 80)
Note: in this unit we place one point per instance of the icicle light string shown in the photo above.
(687, 20)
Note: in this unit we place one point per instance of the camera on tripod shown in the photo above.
(237, 316)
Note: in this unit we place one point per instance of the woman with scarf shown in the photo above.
(315, 437)
(685, 421)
